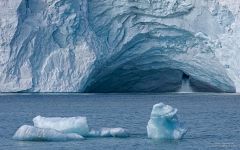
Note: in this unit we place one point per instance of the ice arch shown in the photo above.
(149, 53)
(119, 45)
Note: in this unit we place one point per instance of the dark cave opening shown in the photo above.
(135, 80)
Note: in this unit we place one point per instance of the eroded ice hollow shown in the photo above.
(119, 45)
(164, 124)
(64, 129)
(160, 46)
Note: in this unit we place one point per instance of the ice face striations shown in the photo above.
(119, 45)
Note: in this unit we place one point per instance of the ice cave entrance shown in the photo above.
(125, 80)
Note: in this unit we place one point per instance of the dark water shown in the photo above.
(213, 120)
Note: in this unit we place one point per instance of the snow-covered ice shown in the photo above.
(109, 132)
(77, 125)
(164, 124)
(31, 133)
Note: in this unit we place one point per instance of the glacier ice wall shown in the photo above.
(119, 45)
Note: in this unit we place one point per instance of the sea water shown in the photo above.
(212, 120)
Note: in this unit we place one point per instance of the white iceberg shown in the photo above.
(63, 129)
(109, 132)
(31, 133)
(77, 125)
(164, 124)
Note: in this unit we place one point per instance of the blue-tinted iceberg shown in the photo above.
(164, 124)
(109, 132)
(31, 133)
(77, 125)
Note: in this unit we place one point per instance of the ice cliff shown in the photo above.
(119, 45)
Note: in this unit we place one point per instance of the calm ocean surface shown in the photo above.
(213, 120)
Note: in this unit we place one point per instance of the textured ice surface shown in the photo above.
(62, 129)
(119, 45)
(109, 132)
(31, 133)
(164, 124)
(63, 124)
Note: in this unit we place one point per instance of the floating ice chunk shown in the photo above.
(163, 123)
(109, 132)
(31, 133)
(114, 132)
(64, 124)
(57, 128)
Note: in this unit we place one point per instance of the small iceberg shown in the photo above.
(63, 129)
(109, 132)
(31, 133)
(164, 124)
(77, 125)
